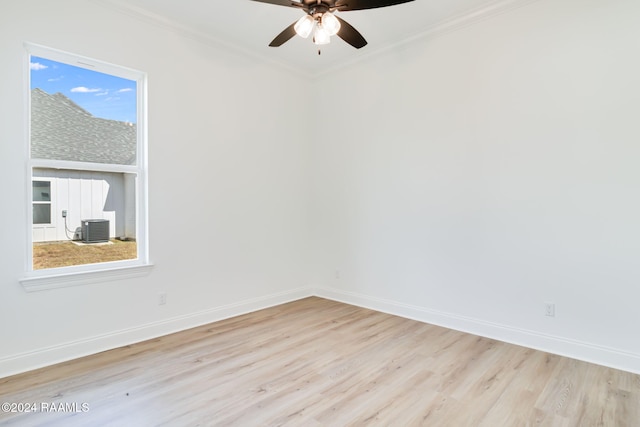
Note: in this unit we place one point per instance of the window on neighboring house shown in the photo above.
(86, 142)
(41, 202)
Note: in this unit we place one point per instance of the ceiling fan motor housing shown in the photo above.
(318, 10)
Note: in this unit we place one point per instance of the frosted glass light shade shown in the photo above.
(321, 36)
(304, 26)
(330, 23)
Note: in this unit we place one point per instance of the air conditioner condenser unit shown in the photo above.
(95, 230)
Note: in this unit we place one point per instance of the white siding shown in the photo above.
(84, 195)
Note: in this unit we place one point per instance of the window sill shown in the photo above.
(43, 283)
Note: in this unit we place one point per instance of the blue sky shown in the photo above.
(102, 95)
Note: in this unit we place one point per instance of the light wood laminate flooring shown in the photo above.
(316, 362)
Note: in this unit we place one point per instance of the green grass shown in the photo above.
(64, 254)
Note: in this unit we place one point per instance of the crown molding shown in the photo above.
(163, 22)
(453, 23)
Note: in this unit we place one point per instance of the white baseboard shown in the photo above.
(552, 344)
(28, 361)
(574, 349)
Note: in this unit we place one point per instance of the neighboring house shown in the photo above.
(64, 132)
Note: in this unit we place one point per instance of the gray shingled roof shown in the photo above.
(62, 130)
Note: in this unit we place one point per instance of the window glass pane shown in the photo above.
(88, 116)
(81, 115)
(42, 213)
(41, 191)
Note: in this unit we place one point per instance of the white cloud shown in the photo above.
(126, 89)
(82, 89)
(112, 98)
(106, 92)
(36, 66)
(56, 80)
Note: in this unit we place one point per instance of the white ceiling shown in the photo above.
(250, 26)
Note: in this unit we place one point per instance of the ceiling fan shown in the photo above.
(319, 18)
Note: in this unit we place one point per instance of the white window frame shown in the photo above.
(35, 280)
(50, 202)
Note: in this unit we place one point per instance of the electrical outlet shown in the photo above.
(337, 275)
(162, 298)
(549, 309)
(64, 214)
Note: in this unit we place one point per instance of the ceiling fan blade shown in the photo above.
(284, 36)
(350, 34)
(345, 5)
(288, 3)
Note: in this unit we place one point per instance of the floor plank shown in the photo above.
(316, 362)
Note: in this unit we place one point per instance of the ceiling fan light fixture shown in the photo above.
(330, 23)
(320, 18)
(321, 35)
(304, 26)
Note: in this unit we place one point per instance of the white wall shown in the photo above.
(472, 177)
(227, 187)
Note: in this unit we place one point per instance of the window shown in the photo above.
(87, 167)
(41, 202)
